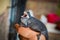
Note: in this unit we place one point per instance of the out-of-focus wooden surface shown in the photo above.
(4, 28)
(3, 19)
(3, 5)
(53, 36)
(39, 7)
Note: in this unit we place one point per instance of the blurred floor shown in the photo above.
(54, 36)
(53, 33)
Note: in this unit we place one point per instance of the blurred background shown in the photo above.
(48, 11)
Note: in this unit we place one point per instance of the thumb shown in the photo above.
(17, 26)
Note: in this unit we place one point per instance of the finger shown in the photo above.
(17, 26)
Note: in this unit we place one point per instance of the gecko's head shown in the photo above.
(26, 16)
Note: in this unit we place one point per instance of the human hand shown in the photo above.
(25, 32)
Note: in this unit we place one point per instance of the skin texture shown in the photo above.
(27, 33)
